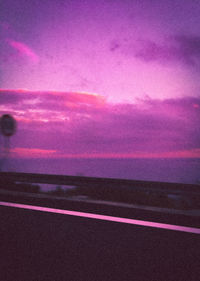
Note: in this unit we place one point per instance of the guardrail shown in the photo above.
(166, 187)
(142, 200)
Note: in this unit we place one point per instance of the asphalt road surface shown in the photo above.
(46, 246)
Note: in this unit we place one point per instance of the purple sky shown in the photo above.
(101, 79)
(119, 49)
(69, 124)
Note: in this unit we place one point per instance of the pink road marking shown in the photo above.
(103, 217)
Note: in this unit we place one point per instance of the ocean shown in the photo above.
(167, 170)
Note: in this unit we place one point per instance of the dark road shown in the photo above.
(47, 246)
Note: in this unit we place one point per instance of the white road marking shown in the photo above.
(104, 217)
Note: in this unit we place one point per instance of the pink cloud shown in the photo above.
(23, 49)
(48, 106)
(194, 153)
(73, 125)
(31, 152)
(48, 153)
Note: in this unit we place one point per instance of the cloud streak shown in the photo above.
(31, 152)
(23, 49)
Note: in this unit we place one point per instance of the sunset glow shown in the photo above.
(89, 126)
(102, 79)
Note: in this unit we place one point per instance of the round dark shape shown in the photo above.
(7, 125)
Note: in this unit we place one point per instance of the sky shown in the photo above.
(101, 79)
